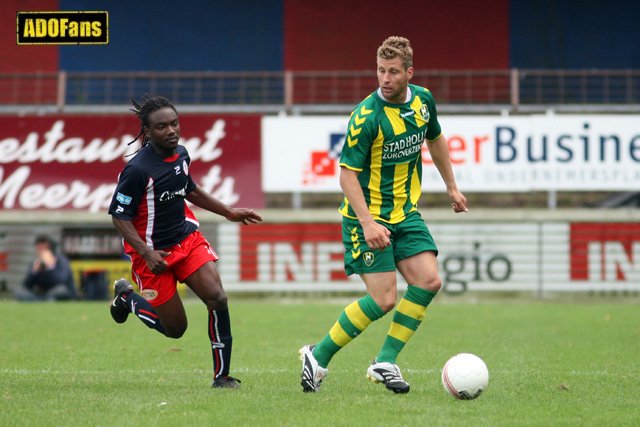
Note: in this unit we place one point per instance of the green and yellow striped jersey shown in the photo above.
(384, 143)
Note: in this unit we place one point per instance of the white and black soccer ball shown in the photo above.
(465, 376)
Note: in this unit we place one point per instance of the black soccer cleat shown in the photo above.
(119, 308)
(226, 382)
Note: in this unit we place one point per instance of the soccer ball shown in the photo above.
(465, 376)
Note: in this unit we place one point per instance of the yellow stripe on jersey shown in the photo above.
(344, 165)
(339, 336)
(344, 210)
(415, 106)
(397, 122)
(354, 131)
(431, 140)
(399, 192)
(400, 332)
(364, 111)
(416, 188)
(375, 178)
(356, 316)
(411, 309)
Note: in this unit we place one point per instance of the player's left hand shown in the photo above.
(459, 202)
(243, 215)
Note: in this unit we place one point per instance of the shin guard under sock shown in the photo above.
(221, 341)
(144, 311)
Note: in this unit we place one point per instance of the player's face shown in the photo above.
(164, 131)
(393, 79)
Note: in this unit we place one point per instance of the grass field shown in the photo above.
(550, 364)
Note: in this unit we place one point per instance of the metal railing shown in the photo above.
(323, 91)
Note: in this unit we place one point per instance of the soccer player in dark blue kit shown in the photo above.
(161, 236)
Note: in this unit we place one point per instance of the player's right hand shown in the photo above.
(156, 261)
(376, 235)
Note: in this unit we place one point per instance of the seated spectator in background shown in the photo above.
(49, 278)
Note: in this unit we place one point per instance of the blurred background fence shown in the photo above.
(514, 90)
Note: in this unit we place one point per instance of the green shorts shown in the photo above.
(408, 238)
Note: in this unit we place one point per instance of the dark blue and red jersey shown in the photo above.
(151, 193)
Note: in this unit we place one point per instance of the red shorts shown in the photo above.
(185, 259)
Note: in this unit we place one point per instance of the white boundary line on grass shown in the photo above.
(20, 371)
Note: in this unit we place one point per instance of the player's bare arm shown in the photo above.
(440, 155)
(202, 199)
(154, 258)
(376, 235)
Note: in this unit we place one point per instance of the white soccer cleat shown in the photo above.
(312, 373)
(389, 375)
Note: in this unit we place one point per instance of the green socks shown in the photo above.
(409, 314)
(359, 314)
(353, 320)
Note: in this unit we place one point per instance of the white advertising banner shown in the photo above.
(477, 253)
(302, 153)
(489, 153)
(532, 256)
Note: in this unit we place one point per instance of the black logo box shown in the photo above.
(61, 23)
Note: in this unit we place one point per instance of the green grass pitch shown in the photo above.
(550, 364)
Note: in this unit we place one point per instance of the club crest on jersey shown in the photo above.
(424, 112)
(368, 258)
(185, 167)
(149, 294)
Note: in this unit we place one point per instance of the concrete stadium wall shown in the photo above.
(574, 34)
(486, 250)
(24, 59)
(274, 35)
(444, 34)
(185, 36)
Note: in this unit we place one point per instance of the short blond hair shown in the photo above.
(394, 47)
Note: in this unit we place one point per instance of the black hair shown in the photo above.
(46, 239)
(144, 109)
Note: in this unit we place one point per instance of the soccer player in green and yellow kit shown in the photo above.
(382, 230)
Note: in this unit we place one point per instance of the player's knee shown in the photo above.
(176, 331)
(387, 303)
(217, 300)
(433, 284)
(174, 334)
